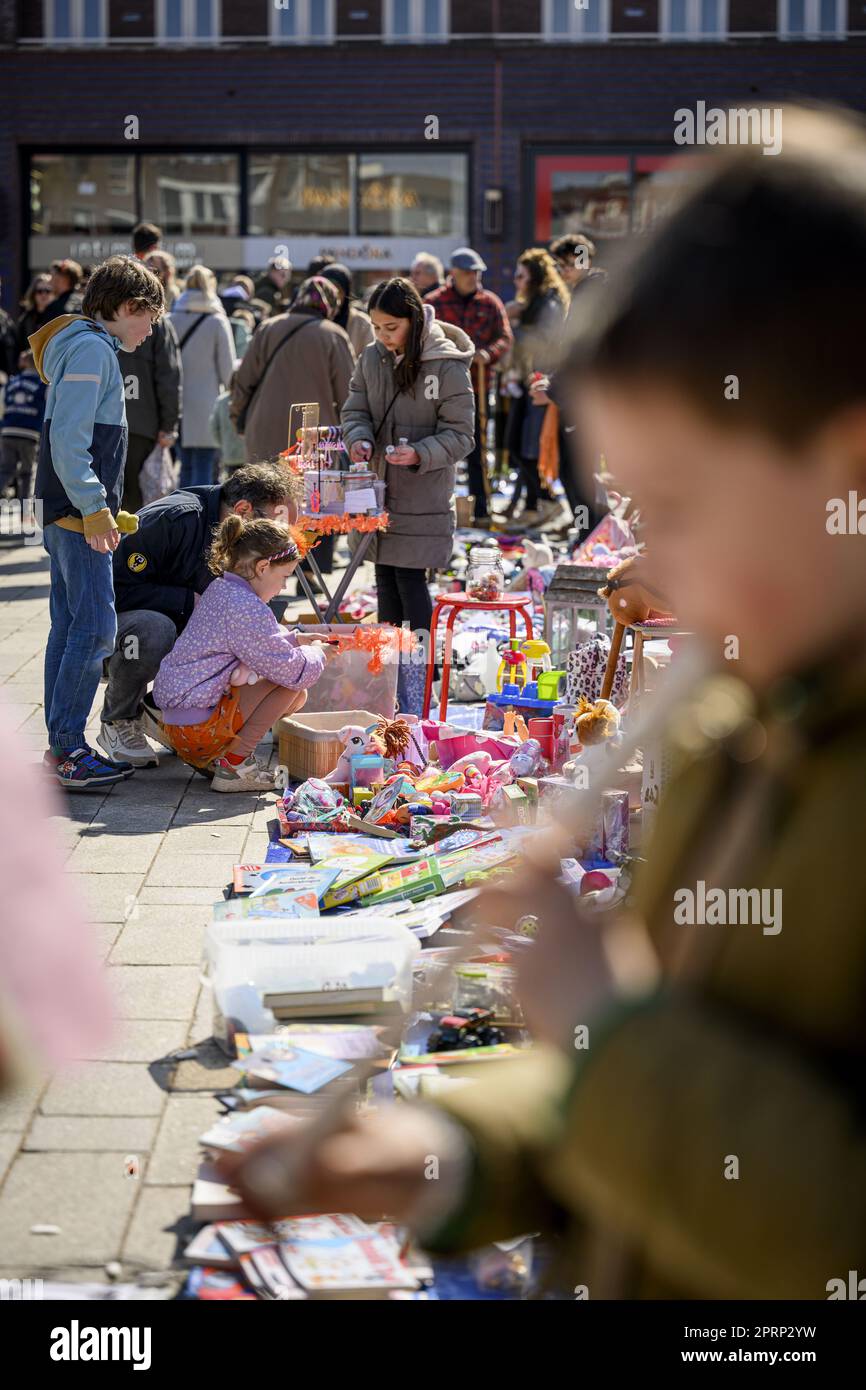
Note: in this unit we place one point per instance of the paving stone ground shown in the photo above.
(147, 859)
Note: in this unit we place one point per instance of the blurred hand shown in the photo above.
(166, 438)
(404, 456)
(538, 391)
(481, 358)
(564, 976)
(369, 1164)
(361, 452)
(328, 650)
(105, 543)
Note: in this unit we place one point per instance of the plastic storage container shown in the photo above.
(243, 960)
(347, 684)
(485, 577)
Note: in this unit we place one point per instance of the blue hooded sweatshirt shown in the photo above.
(82, 451)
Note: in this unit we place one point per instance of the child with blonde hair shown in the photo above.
(234, 670)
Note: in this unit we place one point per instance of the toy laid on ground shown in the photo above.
(472, 1028)
(537, 571)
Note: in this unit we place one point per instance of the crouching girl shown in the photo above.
(234, 670)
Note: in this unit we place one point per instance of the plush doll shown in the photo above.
(595, 721)
(242, 675)
(354, 740)
(536, 557)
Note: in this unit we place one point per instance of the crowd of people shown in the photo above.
(190, 413)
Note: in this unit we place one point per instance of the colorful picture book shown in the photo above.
(293, 1069)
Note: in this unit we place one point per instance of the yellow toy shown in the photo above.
(537, 654)
(512, 667)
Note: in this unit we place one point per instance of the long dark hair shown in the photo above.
(399, 298)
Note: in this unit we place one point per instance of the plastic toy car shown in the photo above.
(472, 1028)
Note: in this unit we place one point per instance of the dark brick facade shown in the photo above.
(604, 97)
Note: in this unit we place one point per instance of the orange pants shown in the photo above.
(239, 722)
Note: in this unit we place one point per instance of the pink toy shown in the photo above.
(354, 740)
(242, 675)
(480, 761)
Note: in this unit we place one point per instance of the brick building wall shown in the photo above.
(565, 96)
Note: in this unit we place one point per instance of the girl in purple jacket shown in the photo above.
(234, 671)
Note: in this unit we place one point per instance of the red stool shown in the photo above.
(511, 604)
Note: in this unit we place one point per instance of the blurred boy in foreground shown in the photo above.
(750, 1046)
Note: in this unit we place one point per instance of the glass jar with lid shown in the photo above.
(485, 577)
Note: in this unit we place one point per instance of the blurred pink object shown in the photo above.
(53, 990)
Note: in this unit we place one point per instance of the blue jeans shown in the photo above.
(197, 466)
(83, 628)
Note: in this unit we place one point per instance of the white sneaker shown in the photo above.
(123, 741)
(248, 776)
(153, 729)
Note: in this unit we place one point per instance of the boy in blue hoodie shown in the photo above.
(79, 485)
(23, 409)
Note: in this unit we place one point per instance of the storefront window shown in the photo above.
(658, 184)
(192, 194)
(581, 193)
(412, 195)
(88, 194)
(299, 194)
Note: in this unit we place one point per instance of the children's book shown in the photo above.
(344, 1042)
(332, 848)
(212, 1199)
(334, 1255)
(234, 1133)
(271, 905)
(260, 880)
(418, 880)
(294, 1069)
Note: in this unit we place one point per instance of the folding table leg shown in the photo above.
(428, 682)
(446, 662)
(355, 561)
(305, 585)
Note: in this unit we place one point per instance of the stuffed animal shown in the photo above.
(354, 740)
(595, 721)
(536, 556)
(242, 675)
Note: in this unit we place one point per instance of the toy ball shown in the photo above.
(594, 881)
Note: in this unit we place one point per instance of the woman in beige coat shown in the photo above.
(411, 409)
(310, 359)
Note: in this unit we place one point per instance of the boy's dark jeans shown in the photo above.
(83, 627)
(143, 639)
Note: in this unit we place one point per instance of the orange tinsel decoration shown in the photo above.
(319, 526)
(375, 640)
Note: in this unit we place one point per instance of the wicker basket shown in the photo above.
(310, 745)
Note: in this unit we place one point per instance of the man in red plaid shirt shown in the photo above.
(482, 315)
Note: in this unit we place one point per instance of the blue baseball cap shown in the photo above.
(464, 258)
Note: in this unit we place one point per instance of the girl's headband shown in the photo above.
(290, 553)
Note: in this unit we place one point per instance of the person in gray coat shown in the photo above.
(411, 410)
(152, 377)
(208, 353)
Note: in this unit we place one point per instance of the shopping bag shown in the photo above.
(158, 475)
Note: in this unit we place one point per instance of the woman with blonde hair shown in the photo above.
(207, 353)
(544, 300)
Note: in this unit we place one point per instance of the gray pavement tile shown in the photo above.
(176, 1153)
(87, 1195)
(143, 1040)
(146, 940)
(104, 1088)
(154, 991)
(9, 1144)
(160, 1227)
(16, 1107)
(107, 897)
(92, 1134)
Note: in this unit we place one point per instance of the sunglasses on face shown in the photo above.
(43, 289)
